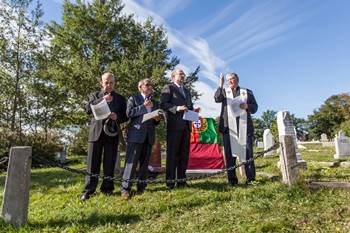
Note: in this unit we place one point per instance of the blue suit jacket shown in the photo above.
(138, 131)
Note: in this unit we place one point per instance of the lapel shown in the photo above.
(101, 94)
(139, 99)
(177, 90)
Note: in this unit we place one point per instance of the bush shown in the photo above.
(43, 147)
(345, 126)
(79, 144)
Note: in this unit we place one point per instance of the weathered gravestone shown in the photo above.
(325, 142)
(342, 145)
(260, 144)
(16, 194)
(324, 138)
(268, 141)
(61, 156)
(288, 157)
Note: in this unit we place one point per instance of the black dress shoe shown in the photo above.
(182, 185)
(233, 183)
(84, 196)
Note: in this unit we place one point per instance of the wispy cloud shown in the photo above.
(260, 26)
(193, 51)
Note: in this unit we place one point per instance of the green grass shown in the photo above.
(208, 205)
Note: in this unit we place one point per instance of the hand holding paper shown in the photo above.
(101, 110)
(190, 116)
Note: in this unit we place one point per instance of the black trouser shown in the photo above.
(136, 153)
(231, 161)
(178, 146)
(109, 147)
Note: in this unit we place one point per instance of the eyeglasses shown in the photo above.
(148, 84)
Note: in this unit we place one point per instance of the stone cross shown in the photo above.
(16, 194)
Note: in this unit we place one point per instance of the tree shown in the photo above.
(258, 129)
(267, 118)
(21, 40)
(96, 37)
(330, 116)
(264, 122)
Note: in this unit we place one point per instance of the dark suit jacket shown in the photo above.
(220, 97)
(138, 131)
(117, 105)
(171, 97)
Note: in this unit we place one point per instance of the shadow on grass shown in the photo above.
(92, 220)
(262, 166)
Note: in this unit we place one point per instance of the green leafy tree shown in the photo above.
(96, 37)
(267, 118)
(21, 41)
(330, 116)
(258, 129)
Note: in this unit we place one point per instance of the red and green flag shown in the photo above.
(205, 151)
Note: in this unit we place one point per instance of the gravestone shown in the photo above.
(342, 145)
(324, 138)
(288, 157)
(268, 141)
(61, 156)
(16, 194)
(260, 144)
(325, 142)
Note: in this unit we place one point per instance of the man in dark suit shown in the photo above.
(99, 141)
(250, 106)
(140, 137)
(175, 100)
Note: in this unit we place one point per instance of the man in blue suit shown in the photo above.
(140, 136)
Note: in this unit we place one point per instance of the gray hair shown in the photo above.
(141, 82)
(234, 75)
(107, 74)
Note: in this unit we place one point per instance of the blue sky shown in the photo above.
(292, 54)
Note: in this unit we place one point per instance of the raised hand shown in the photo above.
(222, 80)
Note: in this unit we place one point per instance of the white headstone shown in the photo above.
(324, 138)
(342, 145)
(260, 144)
(268, 141)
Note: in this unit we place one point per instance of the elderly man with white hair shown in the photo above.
(236, 125)
(175, 100)
(101, 141)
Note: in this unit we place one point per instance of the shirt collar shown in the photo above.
(143, 95)
(177, 85)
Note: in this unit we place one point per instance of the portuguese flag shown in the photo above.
(205, 151)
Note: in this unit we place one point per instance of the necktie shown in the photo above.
(182, 91)
(148, 108)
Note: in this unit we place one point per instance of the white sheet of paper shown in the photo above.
(101, 110)
(150, 115)
(234, 103)
(191, 116)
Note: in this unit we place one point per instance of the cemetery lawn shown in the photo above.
(209, 205)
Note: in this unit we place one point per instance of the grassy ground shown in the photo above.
(206, 206)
